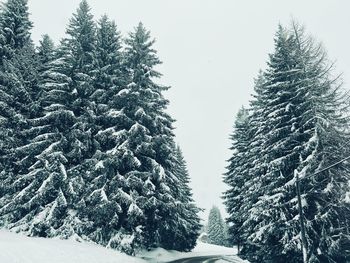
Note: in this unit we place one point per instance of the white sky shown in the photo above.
(211, 50)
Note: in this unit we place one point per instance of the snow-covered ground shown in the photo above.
(202, 249)
(18, 248)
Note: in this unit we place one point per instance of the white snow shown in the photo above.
(17, 248)
(101, 192)
(347, 198)
(134, 210)
(63, 171)
(104, 195)
(99, 165)
(202, 249)
(44, 184)
(114, 113)
(123, 92)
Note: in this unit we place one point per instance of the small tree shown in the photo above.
(216, 227)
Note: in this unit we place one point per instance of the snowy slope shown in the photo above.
(17, 248)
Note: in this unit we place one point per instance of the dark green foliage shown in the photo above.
(181, 234)
(18, 83)
(234, 201)
(86, 148)
(15, 27)
(216, 227)
(297, 125)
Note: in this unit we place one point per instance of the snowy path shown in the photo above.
(203, 252)
(209, 259)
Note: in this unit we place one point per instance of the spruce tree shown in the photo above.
(15, 26)
(279, 98)
(105, 195)
(87, 149)
(237, 176)
(325, 124)
(299, 134)
(146, 154)
(18, 86)
(49, 192)
(15, 96)
(46, 52)
(216, 227)
(185, 224)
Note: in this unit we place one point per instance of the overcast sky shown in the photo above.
(211, 52)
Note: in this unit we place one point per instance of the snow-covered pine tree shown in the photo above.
(46, 52)
(146, 155)
(18, 85)
(49, 193)
(95, 150)
(279, 152)
(216, 228)
(14, 36)
(251, 166)
(236, 177)
(37, 190)
(303, 126)
(325, 122)
(15, 26)
(105, 195)
(315, 115)
(78, 49)
(186, 226)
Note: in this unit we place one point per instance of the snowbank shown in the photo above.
(17, 248)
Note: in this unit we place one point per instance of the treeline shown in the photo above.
(86, 147)
(294, 130)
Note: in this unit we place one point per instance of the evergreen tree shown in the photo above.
(15, 26)
(15, 97)
(105, 195)
(46, 52)
(280, 95)
(48, 193)
(216, 228)
(186, 226)
(18, 84)
(146, 153)
(298, 106)
(87, 149)
(236, 176)
(325, 124)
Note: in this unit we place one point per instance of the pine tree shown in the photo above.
(46, 52)
(294, 119)
(216, 228)
(236, 177)
(87, 149)
(15, 26)
(49, 192)
(146, 155)
(280, 96)
(325, 123)
(14, 37)
(186, 225)
(18, 84)
(105, 196)
(79, 52)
